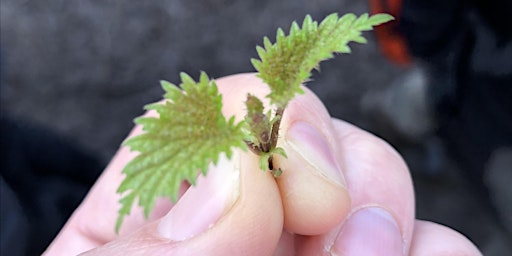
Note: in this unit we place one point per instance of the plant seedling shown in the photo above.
(191, 132)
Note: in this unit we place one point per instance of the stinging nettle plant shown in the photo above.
(191, 132)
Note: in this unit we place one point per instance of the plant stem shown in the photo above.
(274, 135)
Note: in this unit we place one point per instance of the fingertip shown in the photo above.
(312, 186)
(433, 239)
(255, 221)
(377, 176)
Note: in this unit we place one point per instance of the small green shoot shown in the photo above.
(190, 131)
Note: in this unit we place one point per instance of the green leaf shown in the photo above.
(189, 134)
(288, 63)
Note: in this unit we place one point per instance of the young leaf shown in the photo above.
(189, 134)
(258, 123)
(288, 63)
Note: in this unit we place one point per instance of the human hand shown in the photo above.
(343, 191)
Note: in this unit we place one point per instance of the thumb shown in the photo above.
(236, 209)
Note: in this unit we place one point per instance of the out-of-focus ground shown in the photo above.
(86, 68)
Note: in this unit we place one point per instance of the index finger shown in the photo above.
(381, 218)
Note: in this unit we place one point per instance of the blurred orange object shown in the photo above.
(390, 40)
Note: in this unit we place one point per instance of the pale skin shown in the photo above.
(343, 191)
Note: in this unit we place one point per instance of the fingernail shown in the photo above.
(369, 231)
(314, 148)
(204, 204)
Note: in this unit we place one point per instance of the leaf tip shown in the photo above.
(380, 18)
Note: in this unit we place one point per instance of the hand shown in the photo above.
(343, 191)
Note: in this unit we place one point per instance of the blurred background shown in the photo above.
(436, 83)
